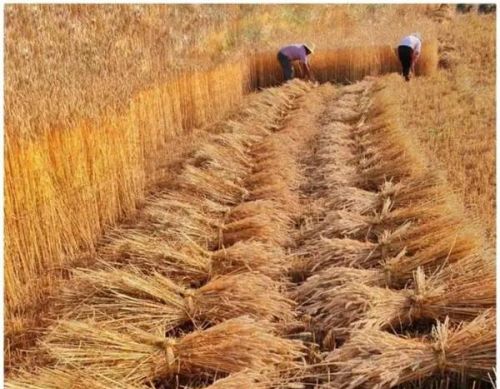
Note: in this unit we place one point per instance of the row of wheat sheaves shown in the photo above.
(304, 244)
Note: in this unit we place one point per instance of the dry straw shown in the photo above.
(229, 347)
(402, 194)
(186, 261)
(375, 359)
(175, 215)
(260, 220)
(63, 378)
(353, 305)
(213, 184)
(245, 379)
(126, 298)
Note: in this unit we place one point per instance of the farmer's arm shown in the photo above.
(306, 69)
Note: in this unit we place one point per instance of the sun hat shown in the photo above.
(310, 47)
(417, 35)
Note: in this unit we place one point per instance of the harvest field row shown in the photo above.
(307, 245)
(64, 187)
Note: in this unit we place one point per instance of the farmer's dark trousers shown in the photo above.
(286, 66)
(405, 54)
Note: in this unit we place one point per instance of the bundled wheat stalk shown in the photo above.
(64, 378)
(402, 194)
(399, 269)
(260, 220)
(265, 258)
(259, 207)
(259, 228)
(185, 202)
(229, 347)
(317, 286)
(354, 305)
(253, 127)
(178, 214)
(244, 379)
(127, 298)
(185, 260)
(323, 252)
(280, 193)
(213, 184)
(400, 251)
(226, 158)
(375, 359)
(356, 226)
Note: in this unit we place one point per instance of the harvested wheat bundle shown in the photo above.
(356, 226)
(244, 379)
(403, 194)
(200, 219)
(322, 253)
(212, 184)
(334, 157)
(339, 309)
(270, 171)
(416, 189)
(184, 259)
(265, 258)
(354, 305)
(228, 348)
(258, 130)
(196, 207)
(261, 227)
(63, 378)
(127, 298)
(316, 286)
(346, 114)
(187, 261)
(259, 207)
(397, 168)
(352, 199)
(337, 133)
(238, 142)
(376, 359)
(221, 158)
(336, 175)
(427, 244)
(448, 235)
(399, 269)
(280, 193)
(267, 178)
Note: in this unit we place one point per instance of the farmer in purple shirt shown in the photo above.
(296, 52)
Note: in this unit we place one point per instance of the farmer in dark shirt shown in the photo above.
(296, 52)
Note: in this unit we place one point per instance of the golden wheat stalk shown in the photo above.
(265, 258)
(215, 185)
(127, 298)
(64, 378)
(372, 358)
(243, 379)
(186, 261)
(229, 347)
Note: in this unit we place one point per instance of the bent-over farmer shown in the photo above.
(408, 52)
(296, 52)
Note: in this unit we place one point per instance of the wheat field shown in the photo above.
(169, 192)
